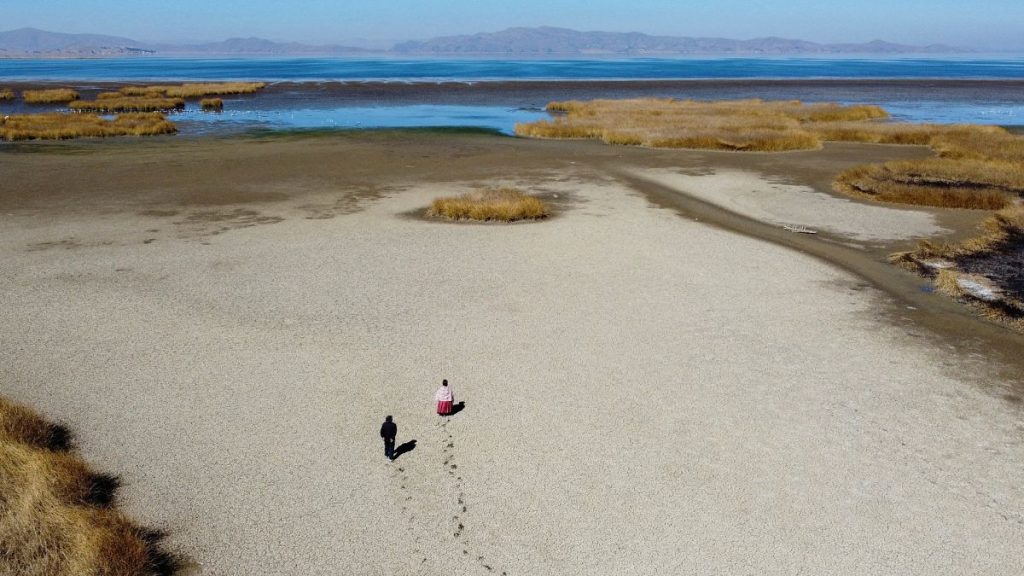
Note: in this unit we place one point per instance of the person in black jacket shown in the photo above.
(388, 431)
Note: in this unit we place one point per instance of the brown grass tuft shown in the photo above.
(215, 104)
(494, 204)
(56, 514)
(6, 94)
(53, 96)
(123, 103)
(57, 126)
(195, 90)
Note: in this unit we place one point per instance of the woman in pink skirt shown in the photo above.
(444, 398)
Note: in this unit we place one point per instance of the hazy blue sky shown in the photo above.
(983, 23)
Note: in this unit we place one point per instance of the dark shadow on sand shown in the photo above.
(456, 408)
(407, 447)
(101, 490)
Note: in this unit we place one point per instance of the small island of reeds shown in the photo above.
(490, 205)
(57, 515)
(743, 125)
(212, 104)
(195, 90)
(116, 102)
(62, 126)
(51, 96)
(6, 94)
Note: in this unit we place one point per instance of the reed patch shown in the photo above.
(62, 126)
(986, 271)
(977, 167)
(108, 103)
(52, 96)
(195, 90)
(57, 514)
(739, 125)
(212, 104)
(6, 94)
(971, 184)
(490, 204)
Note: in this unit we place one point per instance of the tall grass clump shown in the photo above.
(212, 104)
(492, 204)
(6, 94)
(57, 516)
(54, 96)
(58, 126)
(195, 90)
(129, 104)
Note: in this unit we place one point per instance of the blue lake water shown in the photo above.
(313, 69)
(410, 92)
(497, 118)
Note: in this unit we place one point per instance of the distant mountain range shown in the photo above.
(547, 41)
(29, 42)
(33, 43)
(513, 42)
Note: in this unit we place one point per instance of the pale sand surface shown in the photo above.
(644, 394)
(754, 196)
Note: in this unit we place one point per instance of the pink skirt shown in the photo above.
(444, 407)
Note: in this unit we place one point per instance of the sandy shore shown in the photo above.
(225, 324)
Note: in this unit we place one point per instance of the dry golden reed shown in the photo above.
(1001, 232)
(129, 104)
(493, 204)
(997, 231)
(56, 514)
(58, 126)
(214, 104)
(978, 167)
(54, 96)
(741, 125)
(6, 94)
(195, 90)
(971, 184)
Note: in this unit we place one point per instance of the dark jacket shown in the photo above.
(388, 430)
